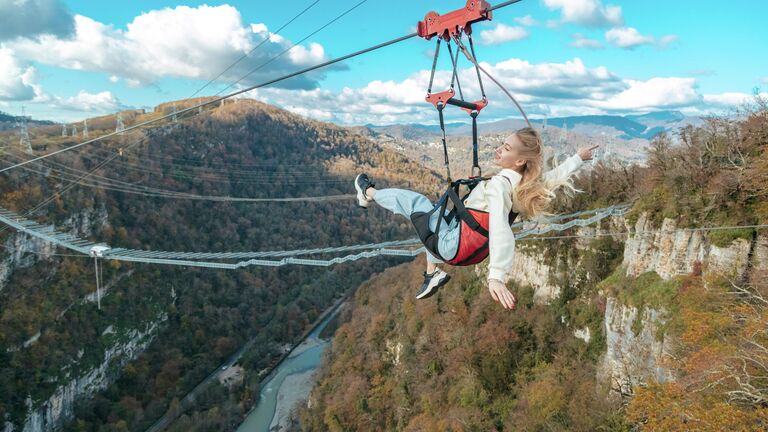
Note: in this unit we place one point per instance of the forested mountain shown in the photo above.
(636, 324)
(8, 121)
(56, 345)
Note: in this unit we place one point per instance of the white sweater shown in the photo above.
(495, 197)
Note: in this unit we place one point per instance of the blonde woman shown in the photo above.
(519, 188)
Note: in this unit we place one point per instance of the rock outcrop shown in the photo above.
(670, 251)
(631, 357)
(59, 408)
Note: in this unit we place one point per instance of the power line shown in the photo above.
(245, 90)
(162, 193)
(291, 47)
(218, 99)
(269, 36)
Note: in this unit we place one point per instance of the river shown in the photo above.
(289, 382)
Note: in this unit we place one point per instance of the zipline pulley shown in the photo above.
(450, 28)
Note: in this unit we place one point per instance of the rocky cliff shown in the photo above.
(632, 356)
(59, 408)
(23, 251)
(636, 345)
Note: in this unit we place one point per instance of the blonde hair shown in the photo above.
(533, 195)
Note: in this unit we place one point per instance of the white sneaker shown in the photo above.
(432, 282)
(362, 182)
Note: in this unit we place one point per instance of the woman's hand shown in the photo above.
(501, 294)
(585, 153)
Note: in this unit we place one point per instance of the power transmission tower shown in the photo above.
(120, 126)
(173, 111)
(74, 130)
(24, 143)
(64, 130)
(85, 128)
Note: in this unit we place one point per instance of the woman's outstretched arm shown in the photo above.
(570, 165)
(501, 240)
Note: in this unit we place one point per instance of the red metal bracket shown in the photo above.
(446, 98)
(453, 23)
(442, 97)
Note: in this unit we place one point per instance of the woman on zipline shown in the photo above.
(520, 187)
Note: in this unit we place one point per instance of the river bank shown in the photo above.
(290, 380)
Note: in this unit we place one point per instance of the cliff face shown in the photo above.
(671, 252)
(24, 251)
(632, 357)
(59, 408)
(636, 345)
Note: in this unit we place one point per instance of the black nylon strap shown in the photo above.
(442, 205)
(477, 68)
(455, 61)
(440, 107)
(474, 146)
(434, 65)
(464, 214)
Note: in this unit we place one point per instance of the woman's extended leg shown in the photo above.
(400, 201)
(405, 203)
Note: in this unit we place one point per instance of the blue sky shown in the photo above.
(66, 60)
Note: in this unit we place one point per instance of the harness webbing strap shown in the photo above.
(434, 65)
(475, 165)
(464, 214)
(477, 68)
(455, 74)
(440, 107)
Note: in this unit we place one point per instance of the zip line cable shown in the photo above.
(238, 92)
(290, 48)
(161, 193)
(276, 32)
(269, 36)
(63, 190)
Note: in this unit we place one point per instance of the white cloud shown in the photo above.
(728, 99)
(630, 38)
(667, 40)
(527, 21)
(307, 57)
(557, 89)
(382, 102)
(102, 102)
(31, 18)
(764, 80)
(655, 93)
(503, 33)
(569, 80)
(17, 81)
(183, 42)
(627, 37)
(581, 41)
(587, 12)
